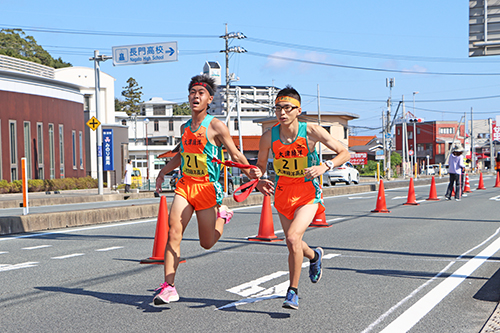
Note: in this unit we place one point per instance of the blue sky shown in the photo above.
(387, 39)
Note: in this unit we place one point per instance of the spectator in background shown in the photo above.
(497, 167)
(127, 176)
(455, 170)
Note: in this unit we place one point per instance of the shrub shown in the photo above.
(35, 185)
(4, 186)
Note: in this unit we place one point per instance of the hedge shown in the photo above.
(42, 185)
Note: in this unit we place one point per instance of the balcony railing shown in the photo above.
(28, 67)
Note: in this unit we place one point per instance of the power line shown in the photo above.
(357, 53)
(104, 33)
(366, 68)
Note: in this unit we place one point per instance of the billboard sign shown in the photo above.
(107, 140)
(496, 130)
(359, 158)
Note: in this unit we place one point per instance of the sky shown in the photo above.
(346, 50)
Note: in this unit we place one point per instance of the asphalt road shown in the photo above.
(426, 268)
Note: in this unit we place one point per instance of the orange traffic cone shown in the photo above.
(467, 185)
(381, 206)
(497, 183)
(319, 220)
(266, 226)
(411, 194)
(432, 192)
(161, 235)
(481, 183)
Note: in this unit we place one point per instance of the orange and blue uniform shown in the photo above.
(293, 189)
(199, 180)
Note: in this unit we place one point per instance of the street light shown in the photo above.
(414, 134)
(146, 122)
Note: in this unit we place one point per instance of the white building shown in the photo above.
(85, 78)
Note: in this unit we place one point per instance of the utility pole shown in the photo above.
(97, 70)
(236, 49)
(389, 84)
(472, 152)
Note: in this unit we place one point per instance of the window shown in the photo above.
(52, 157)
(410, 135)
(158, 110)
(39, 152)
(27, 147)
(399, 131)
(80, 135)
(346, 133)
(86, 102)
(61, 151)
(13, 150)
(170, 125)
(236, 127)
(124, 122)
(156, 126)
(446, 130)
(73, 146)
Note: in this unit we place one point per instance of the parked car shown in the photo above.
(136, 177)
(428, 170)
(345, 173)
(174, 177)
(444, 170)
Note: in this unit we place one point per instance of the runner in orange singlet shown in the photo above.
(297, 194)
(198, 189)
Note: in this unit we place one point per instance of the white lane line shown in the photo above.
(36, 247)
(67, 231)
(4, 268)
(497, 198)
(110, 248)
(356, 198)
(69, 256)
(397, 198)
(3, 252)
(416, 312)
(255, 293)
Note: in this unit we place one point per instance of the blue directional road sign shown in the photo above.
(145, 53)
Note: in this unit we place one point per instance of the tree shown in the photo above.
(15, 43)
(119, 104)
(182, 109)
(132, 93)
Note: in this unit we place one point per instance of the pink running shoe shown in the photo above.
(225, 213)
(167, 294)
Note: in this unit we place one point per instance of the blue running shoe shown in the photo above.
(315, 270)
(291, 300)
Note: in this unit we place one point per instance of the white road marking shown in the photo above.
(3, 252)
(397, 198)
(67, 231)
(255, 293)
(4, 268)
(416, 312)
(355, 198)
(110, 248)
(69, 256)
(497, 198)
(36, 247)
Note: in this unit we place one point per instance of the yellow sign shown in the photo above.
(93, 123)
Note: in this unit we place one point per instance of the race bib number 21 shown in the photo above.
(195, 165)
